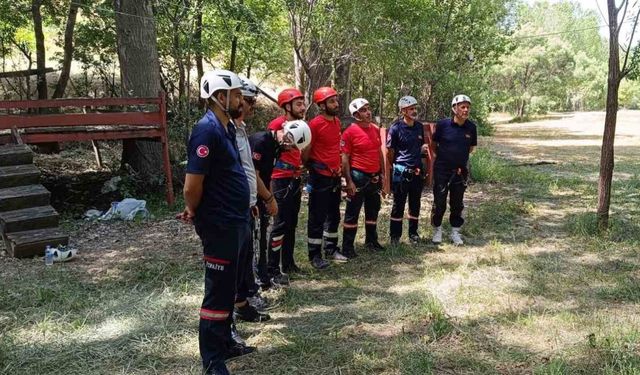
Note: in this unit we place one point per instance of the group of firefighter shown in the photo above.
(243, 193)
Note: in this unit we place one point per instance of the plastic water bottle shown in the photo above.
(48, 256)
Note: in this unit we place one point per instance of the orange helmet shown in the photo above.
(288, 95)
(323, 93)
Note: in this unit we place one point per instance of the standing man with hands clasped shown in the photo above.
(216, 194)
(285, 184)
(405, 146)
(362, 166)
(455, 138)
(324, 185)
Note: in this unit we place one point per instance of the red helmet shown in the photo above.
(288, 95)
(323, 93)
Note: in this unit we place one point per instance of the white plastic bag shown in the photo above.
(127, 210)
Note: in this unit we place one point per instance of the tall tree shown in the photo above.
(40, 49)
(140, 76)
(68, 50)
(617, 14)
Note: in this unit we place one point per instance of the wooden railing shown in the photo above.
(88, 123)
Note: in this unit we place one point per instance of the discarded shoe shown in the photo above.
(64, 254)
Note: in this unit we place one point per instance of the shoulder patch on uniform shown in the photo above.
(257, 156)
(202, 151)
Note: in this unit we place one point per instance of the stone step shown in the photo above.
(19, 175)
(40, 217)
(15, 155)
(19, 197)
(33, 242)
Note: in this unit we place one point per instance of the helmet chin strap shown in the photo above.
(224, 109)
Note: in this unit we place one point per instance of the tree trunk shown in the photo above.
(343, 82)
(234, 49)
(381, 97)
(521, 107)
(298, 72)
(177, 50)
(40, 50)
(68, 51)
(234, 46)
(606, 153)
(140, 75)
(197, 36)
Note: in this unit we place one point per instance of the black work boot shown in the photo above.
(291, 268)
(371, 239)
(236, 350)
(318, 263)
(374, 246)
(249, 313)
(348, 240)
(415, 239)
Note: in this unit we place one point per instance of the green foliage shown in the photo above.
(375, 49)
(556, 61)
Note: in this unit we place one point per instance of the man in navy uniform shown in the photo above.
(455, 139)
(405, 147)
(216, 195)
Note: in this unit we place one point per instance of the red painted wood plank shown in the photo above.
(76, 102)
(429, 129)
(70, 119)
(88, 136)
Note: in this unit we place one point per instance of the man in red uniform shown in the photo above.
(285, 185)
(362, 165)
(323, 160)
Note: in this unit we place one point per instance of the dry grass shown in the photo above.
(534, 291)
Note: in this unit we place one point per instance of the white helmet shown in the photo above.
(460, 99)
(407, 101)
(356, 104)
(300, 132)
(249, 88)
(219, 79)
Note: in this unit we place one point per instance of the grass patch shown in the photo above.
(554, 367)
(498, 219)
(534, 281)
(622, 229)
(619, 353)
